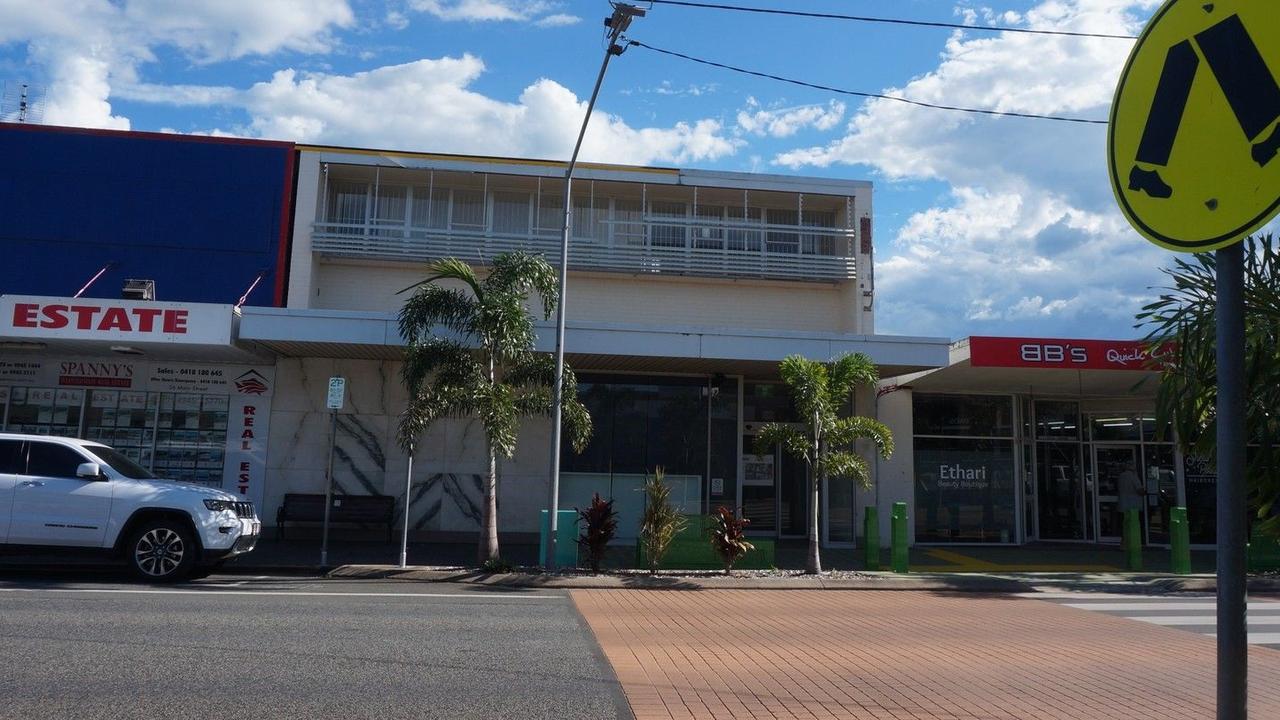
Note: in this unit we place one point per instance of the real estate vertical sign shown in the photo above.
(245, 472)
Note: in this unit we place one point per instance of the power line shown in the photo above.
(855, 93)
(889, 21)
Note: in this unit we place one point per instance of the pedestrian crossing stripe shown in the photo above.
(1194, 133)
(1195, 614)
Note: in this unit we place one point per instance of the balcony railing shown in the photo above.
(666, 246)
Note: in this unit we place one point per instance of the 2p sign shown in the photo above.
(337, 392)
(1195, 124)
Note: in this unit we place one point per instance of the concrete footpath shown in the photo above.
(1141, 583)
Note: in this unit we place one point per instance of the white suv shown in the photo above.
(63, 493)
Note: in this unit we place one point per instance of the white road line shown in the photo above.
(211, 593)
(1258, 638)
(1198, 619)
(1077, 595)
(1132, 606)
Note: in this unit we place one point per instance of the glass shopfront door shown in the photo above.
(775, 494)
(1120, 488)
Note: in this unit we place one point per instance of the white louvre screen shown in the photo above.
(511, 213)
(347, 202)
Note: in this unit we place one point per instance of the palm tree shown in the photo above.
(487, 367)
(819, 392)
(1181, 325)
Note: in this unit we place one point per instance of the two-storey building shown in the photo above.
(686, 288)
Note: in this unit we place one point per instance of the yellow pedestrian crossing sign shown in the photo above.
(1195, 124)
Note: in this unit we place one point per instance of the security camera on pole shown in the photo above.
(616, 24)
(1191, 151)
(337, 393)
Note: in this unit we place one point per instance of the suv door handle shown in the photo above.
(31, 483)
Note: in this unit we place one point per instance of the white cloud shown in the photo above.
(558, 20)
(542, 13)
(1028, 237)
(780, 122)
(89, 47)
(428, 105)
(210, 30)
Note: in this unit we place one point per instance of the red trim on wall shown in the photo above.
(286, 223)
(1059, 353)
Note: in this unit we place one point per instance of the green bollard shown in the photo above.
(1180, 541)
(1132, 540)
(900, 549)
(871, 539)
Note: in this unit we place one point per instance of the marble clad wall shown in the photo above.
(448, 468)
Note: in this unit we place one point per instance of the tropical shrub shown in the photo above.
(729, 537)
(599, 523)
(661, 521)
(497, 565)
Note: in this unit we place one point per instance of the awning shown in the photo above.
(636, 348)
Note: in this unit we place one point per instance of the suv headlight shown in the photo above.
(219, 505)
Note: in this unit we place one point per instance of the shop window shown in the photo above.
(191, 436)
(45, 411)
(1061, 491)
(767, 402)
(965, 490)
(125, 420)
(1057, 420)
(1155, 431)
(1161, 483)
(963, 415)
(1116, 428)
(640, 424)
(1201, 478)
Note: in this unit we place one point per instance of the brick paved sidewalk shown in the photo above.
(902, 655)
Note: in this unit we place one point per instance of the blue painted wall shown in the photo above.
(200, 217)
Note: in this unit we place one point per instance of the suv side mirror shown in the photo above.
(90, 471)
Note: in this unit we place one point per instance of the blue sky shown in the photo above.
(983, 225)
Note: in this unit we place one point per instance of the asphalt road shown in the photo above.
(237, 647)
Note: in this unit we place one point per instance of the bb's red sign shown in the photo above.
(1059, 353)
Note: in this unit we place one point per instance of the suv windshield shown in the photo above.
(119, 463)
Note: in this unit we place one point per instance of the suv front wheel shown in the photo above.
(161, 551)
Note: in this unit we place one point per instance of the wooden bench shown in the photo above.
(355, 509)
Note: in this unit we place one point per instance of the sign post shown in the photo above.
(1191, 153)
(337, 393)
(408, 499)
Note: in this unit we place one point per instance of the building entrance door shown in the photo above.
(1061, 493)
(1120, 488)
(775, 495)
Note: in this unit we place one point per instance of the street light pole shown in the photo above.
(617, 24)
